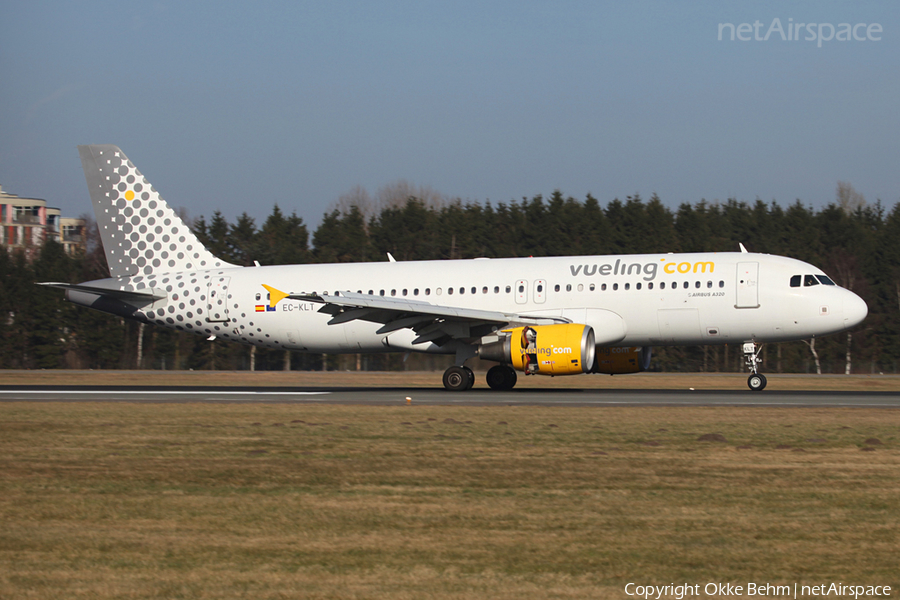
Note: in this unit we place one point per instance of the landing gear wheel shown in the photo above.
(501, 377)
(471, 375)
(757, 382)
(457, 379)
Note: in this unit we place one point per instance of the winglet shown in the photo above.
(391, 258)
(275, 296)
(743, 250)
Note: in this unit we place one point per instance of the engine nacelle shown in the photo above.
(565, 349)
(618, 361)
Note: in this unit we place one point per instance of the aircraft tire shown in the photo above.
(757, 382)
(471, 375)
(501, 377)
(456, 379)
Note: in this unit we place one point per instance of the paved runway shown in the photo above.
(475, 397)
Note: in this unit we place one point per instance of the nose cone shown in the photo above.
(855, 310)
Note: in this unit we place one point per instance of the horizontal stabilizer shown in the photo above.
(142, 295)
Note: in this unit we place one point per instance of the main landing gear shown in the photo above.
(460, 379)
(501, 377)
(756, 381)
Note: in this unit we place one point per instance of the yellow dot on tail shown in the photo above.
(129, 195)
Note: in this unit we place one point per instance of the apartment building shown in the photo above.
(27, 222)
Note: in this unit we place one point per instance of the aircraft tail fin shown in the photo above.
(141, 234)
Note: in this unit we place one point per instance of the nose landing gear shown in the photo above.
(756, 381)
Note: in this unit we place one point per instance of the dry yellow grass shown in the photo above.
(639, 381)
(310, 501)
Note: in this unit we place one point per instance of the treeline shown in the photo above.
(855, 243)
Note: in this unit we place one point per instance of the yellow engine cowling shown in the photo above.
(565, 349)
(618, 361)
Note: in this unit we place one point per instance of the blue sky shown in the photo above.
(235, 106)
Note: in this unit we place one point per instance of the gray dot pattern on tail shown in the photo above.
(148, 237)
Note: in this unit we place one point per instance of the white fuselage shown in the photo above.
(663, 299)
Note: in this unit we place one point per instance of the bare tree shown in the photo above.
(357, 197)
(812, 348)
(845, 269)
(849, 199)
(395, 195)
(392, 195)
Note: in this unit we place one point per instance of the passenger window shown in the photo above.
(556, 288)
(427, 291)
(697, 284)
(540, 288)
(496, 289)
(393, 292)
(686, 285)
(404, 291)
(371, 292)
(462, 290)
(721, 284)
(825, 279)
(637, 286)
(650, 286)
(474, 290)
(662, 285)
(810, 280)
(708, 284)
(795, 281)
(450, 290)
(258, 297)
(416, 292)
(593, 287)
(615, 286)
(508, 289)
(484, 290)
(568, 287)
(381, 292)
(627, 286)
(603, 287)
(521, 288)
(437, 292)
(580, 287)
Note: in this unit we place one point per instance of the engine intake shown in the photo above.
(565, 349)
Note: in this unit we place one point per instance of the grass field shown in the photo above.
(310, 501)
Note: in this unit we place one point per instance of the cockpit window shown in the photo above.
(795, 281)
(825, 279)
(810, 280)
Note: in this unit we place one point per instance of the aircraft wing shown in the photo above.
(432, 322)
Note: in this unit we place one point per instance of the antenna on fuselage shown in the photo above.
(743, 250)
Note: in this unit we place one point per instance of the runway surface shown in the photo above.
(434, 396)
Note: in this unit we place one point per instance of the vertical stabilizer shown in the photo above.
(141, 234)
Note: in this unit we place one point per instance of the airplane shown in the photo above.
(538, 316)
